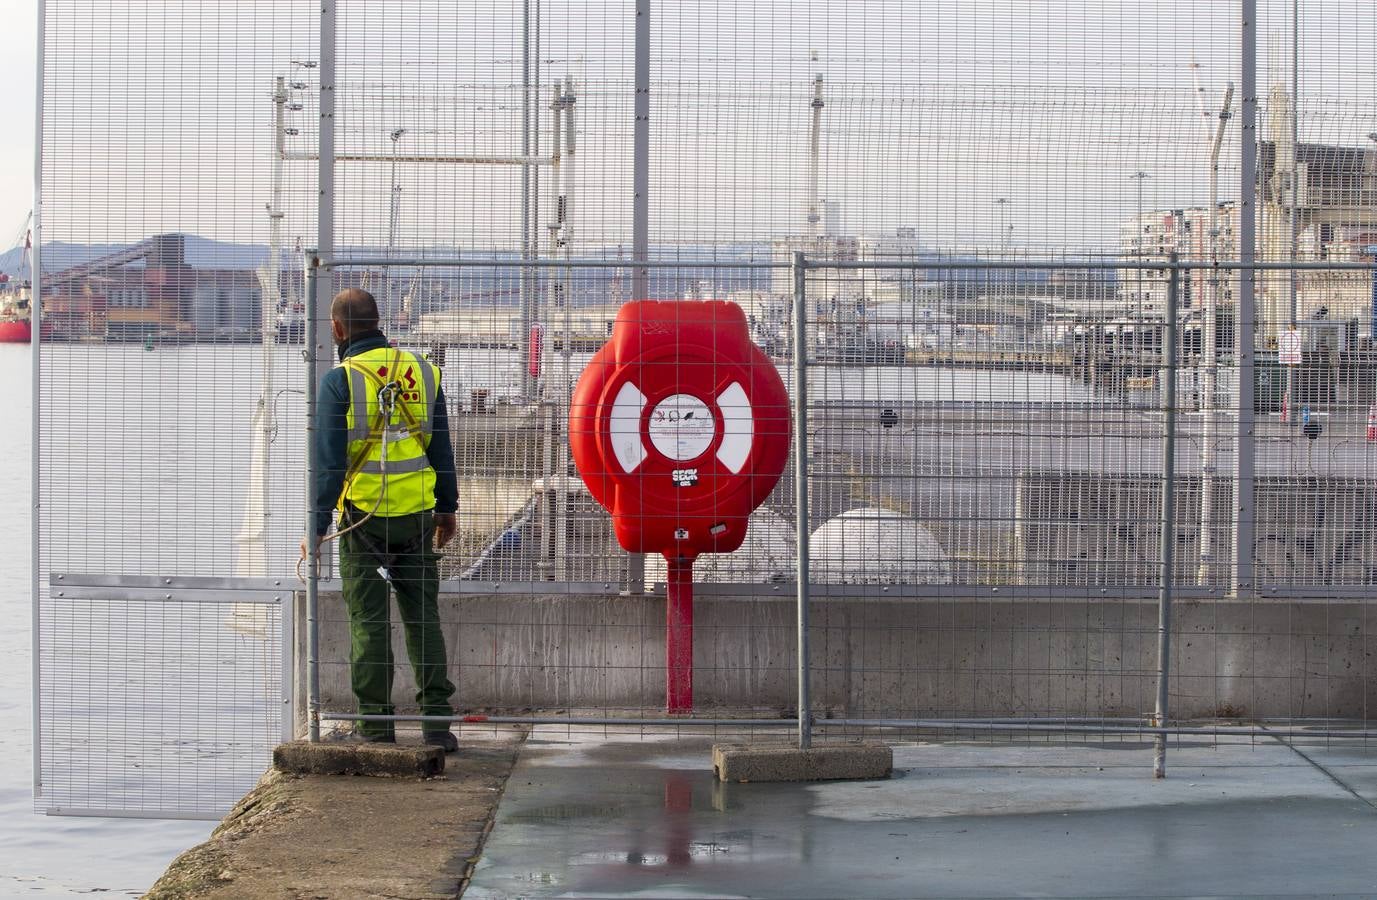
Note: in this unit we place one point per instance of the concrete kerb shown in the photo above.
(394, 760)
(780, 762)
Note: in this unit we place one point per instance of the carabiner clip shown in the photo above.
(388, 395)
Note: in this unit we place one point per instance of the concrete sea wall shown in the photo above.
(900, 657)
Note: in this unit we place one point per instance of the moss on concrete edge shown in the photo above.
(206, 866)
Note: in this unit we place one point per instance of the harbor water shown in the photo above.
(49, 856)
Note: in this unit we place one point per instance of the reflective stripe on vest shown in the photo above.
(408, 486)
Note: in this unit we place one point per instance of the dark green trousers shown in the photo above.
(405, 546)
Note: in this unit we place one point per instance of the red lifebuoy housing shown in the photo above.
(679, 426)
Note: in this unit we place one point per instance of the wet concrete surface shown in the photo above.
(586, 815)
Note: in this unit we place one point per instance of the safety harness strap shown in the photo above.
(378, 427)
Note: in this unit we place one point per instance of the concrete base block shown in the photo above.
(744, 762)
(305, 758)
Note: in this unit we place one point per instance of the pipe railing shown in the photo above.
(1159, 725)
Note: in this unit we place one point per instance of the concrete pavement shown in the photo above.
(588, 814)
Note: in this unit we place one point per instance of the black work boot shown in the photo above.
(445, 739)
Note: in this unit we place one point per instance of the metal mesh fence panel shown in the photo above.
(998, 210)
(164, 263)
(1317, 192)
(156, 707)
(162, 256)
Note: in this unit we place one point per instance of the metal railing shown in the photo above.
(130, 667)
(838, 448)
(1001, 520)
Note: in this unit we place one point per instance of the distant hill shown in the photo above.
(202, 253)
(591, 285)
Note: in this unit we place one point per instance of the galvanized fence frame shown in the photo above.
(806, 591)
(1160, 725)
(58, 783)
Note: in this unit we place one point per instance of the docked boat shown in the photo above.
(15, 313)
(16, 296)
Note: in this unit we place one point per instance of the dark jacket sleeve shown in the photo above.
(332, 446)
(440, 453)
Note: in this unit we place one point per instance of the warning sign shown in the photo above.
(681, 427)
(1289, 348)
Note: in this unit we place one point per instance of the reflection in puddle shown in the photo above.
(693, 850)
(564, 811)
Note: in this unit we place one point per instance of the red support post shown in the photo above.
(679, 637)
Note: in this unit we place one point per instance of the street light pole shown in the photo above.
(394, 215)
(1002, 202)
(1209, 361)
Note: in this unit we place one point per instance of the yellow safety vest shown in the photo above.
(409, 480)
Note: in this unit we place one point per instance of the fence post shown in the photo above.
(312, 265)
(524, 285)
(325, 163)
(805, 719)
(1245, 316)
(36, 585)
(1168, 546)
(640, 211)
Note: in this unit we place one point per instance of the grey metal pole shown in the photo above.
(1292, 415)
(1002, 202)
(814, 150)
(805, 718)
(325, 193)
(566, 389)
(537, 288)
(1168, 545)
(312, 266)
(1293, 207)
(286, 611)
(1295, 155)
(394, 217)
(1245, 318)
(640, 164)
(1210, 359)
(640, 211)
(325, 175)
(35, 435)
(1043, 265)
(1138, 238)
(551, 299)
(524, 277)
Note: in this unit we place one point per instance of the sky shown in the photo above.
(18, 39)
(935, 113)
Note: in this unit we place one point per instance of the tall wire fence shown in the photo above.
(999, 215)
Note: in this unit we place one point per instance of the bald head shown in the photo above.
(354, 311)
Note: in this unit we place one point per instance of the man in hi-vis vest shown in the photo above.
(386, 463)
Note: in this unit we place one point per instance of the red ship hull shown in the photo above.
(15, 333)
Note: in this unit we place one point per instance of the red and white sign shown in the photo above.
(1289, 347)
